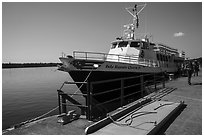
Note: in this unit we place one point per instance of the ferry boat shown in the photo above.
(128, 56)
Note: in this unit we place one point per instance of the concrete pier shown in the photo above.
(189, 122)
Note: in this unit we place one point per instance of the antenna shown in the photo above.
(133, 11)
(130, 31)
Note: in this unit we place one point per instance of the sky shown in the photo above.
(41, 31)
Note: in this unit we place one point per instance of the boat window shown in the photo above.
(145, 45)
(122, 44)
(152, 44)
(114, 45)
(135, 44)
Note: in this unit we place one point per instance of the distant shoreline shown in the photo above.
(28, 65)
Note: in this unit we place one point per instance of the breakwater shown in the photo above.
(27, 65)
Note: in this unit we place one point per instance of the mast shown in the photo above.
(129, 33)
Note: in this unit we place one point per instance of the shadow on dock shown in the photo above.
(199, 83)
(170, 121)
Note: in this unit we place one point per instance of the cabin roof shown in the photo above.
(160, 45)
(130, 40)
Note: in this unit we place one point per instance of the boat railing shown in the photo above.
(137, 82)
(115, 58)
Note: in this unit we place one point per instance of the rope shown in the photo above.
(161, 105)
(34, 119)
(131, 119)
(132, 116)
(45, 113)
(83, 83)
(140, 114)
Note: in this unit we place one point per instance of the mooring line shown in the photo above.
(83, 83)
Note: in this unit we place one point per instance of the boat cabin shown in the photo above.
(131, 48)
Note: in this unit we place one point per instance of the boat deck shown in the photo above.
(188, 122)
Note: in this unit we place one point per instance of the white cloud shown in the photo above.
(178, 34)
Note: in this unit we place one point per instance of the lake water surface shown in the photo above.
(30, 92)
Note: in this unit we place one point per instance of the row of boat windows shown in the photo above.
(161, 57)
(167, 58)
(134, 44)
(164, 50)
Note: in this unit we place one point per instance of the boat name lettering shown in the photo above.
(109, 66)
(133, 67)
(121, 67)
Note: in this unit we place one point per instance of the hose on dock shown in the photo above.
(131, 118)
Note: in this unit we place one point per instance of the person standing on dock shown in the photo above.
(189, 68)
(196, 68)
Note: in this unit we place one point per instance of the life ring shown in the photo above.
(142, 54)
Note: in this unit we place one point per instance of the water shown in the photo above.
(30, 92)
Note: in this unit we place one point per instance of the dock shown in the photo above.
(188, 121)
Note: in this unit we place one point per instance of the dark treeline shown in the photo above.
(28, 65)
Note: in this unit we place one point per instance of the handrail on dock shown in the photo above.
(62, 97)
(91, 93)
